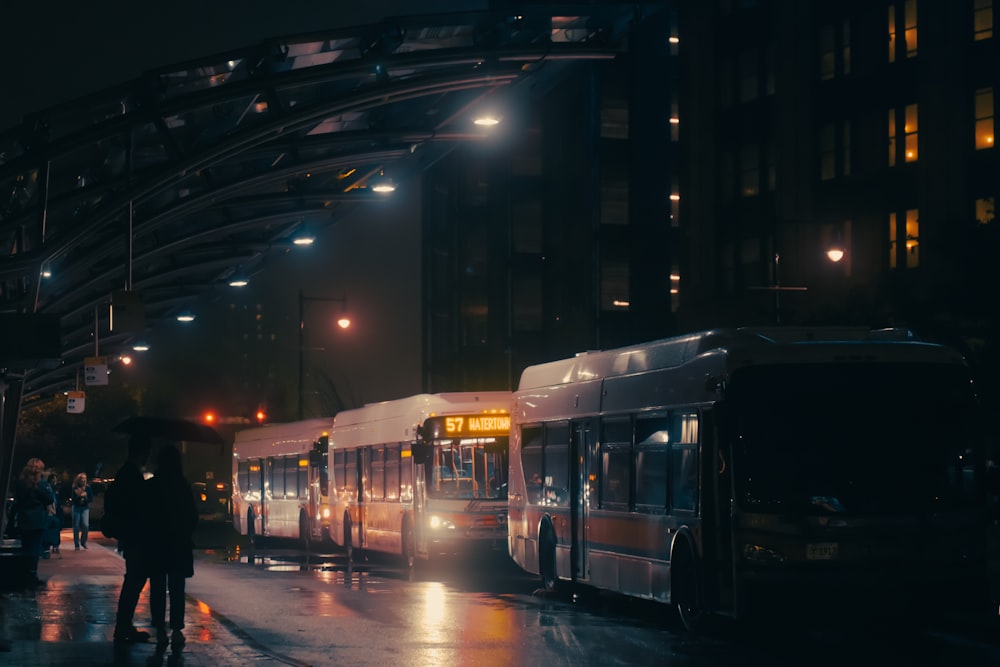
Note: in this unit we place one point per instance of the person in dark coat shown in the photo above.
(53, 525)
(173, 512)
(32, 501)
(126, 502)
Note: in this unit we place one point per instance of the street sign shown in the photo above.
(95, 371)
(75, 401)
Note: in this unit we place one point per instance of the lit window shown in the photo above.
(912, 239)
(892, 34)
(982, 19)
(910, 34)
(675, 288)
(984, 118)
(986, 210)
(910, 132)
(892, 137)
(892, 241)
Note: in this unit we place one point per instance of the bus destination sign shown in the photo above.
(469, 426)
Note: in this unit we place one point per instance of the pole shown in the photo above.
(301, 350)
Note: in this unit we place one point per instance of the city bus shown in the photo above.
(280, 481)
(421, 476)
(732, 472)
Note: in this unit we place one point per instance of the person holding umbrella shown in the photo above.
(125, 504)
(172, 510)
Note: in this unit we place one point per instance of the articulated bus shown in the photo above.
(421, 476)
(730, 472)
(280, 481)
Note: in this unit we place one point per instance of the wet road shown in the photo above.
(312, 609)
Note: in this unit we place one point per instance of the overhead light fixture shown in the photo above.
(239, 282)
(487, 120)
(303, 236)
(185, 317)
(140, 346)
(382, 183)
(835, 254)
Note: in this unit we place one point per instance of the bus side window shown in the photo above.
(652, 447)
(684, 462)
(616, 462)
(531, 461)
(392, 472)
(556, 464)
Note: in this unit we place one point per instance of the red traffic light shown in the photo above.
(261, 416)
(208, 417)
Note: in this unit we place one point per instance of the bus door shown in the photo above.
(255, 487)
(579, 485)
(364, 490)
(419, 481)
(717, 514)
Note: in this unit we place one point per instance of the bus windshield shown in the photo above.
(854, 438)
(468, 468)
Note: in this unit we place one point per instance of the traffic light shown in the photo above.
(261, 416)
(208, 417)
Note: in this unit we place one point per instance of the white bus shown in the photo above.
(726, 473)
(280, 481)
(421, 476)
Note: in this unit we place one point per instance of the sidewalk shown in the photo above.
(70, 621)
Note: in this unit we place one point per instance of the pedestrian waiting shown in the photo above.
(81, 495)
(32, 500)
(173, 512)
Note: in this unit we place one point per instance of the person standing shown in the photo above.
(32, 501)
(81, 495)
(53, 524)
(125, 505)
(173, 511)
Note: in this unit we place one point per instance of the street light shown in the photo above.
(343, 322)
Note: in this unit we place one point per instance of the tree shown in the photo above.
(74, 443)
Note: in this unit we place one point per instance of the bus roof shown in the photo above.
(278, 439)
(773, 343)
(395, 421)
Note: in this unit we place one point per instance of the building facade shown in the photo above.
(704, 179)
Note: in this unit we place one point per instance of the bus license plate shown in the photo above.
(821, 551)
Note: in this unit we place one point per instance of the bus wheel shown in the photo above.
(685, 589)
(304, 534)
(251, 528)
(348, 539)
(409, 546)
(547, 559)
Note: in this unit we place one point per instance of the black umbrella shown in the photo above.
(169, 428)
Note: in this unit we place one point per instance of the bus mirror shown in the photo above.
(420, 451)
(315, 458)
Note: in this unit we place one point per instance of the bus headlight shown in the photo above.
(437, 523)
(761, 554)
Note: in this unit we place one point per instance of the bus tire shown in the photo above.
(348, 538)
(686, 594)
(251, 527)
(547, 558)
(409, 544)
(304, 533)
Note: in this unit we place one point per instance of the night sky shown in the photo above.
(62, 54)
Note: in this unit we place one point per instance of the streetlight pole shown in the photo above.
(343, 323)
